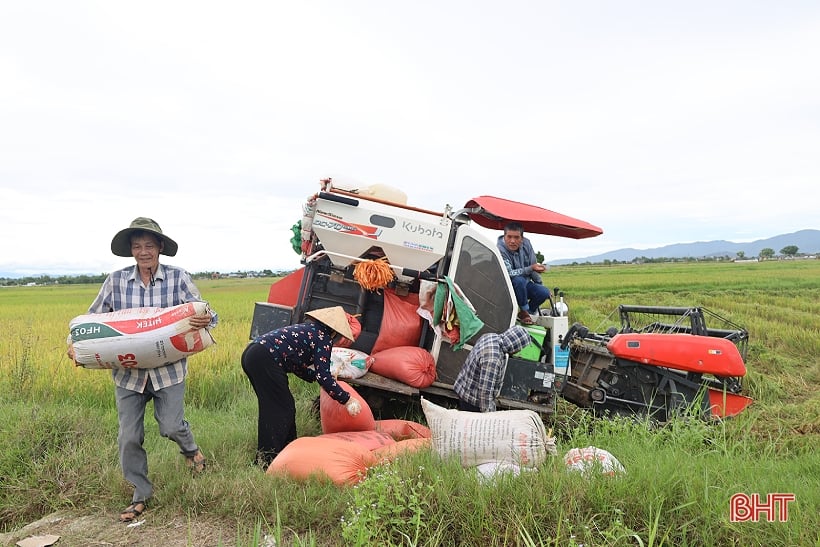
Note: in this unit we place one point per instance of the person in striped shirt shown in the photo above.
(149, 284)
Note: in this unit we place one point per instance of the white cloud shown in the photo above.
(659, 123)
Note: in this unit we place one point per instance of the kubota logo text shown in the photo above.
(416, 228)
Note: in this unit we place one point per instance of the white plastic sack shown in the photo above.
(349, 363)
(512, 436)
(138, 337)
(590, 459)
(490, 471)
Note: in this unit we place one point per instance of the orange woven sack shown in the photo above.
(342, 462)
(335, 418)
(401, 324)
(370, 440)
(403, 429)
(411, 365)
(392, 451)
(355, 328)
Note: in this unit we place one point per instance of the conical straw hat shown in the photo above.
(335, 318)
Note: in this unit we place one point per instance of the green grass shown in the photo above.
(58, 433)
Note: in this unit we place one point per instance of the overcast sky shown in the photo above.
(660, 122)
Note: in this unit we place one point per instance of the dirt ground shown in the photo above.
(105, 530)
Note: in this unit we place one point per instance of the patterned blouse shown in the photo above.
(304, 349)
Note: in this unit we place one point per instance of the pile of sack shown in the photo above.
(506, 441)
(348, 445)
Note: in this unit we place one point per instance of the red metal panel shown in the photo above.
(286, 291)
(496, 212)
(727, 404)
(704, 354)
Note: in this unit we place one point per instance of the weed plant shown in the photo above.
(58, 434)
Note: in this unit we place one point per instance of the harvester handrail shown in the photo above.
(659, 310)
(355, 195)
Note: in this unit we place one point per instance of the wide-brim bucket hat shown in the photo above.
(334, 317)
(121, 244)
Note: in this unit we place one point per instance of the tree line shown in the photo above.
(789, 251)
(97, 279)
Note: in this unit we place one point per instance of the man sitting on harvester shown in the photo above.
(524, 271)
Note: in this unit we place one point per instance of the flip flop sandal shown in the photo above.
(197, 462)
(524, 318)
(133, 511)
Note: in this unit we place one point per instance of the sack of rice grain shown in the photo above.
(513, 436)
(138, 337)
(592, 459)
(349, 363)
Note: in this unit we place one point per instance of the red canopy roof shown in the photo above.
(495, 212)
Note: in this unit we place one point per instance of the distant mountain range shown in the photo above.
(806, 241)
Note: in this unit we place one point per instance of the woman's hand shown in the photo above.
(353, 407)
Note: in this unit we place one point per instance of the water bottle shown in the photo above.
(561, 306)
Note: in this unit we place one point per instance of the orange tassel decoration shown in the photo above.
(373, 274)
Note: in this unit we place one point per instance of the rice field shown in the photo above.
(58, 433)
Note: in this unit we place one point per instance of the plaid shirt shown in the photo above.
(124, 289)
(304, 349)
(480, 378)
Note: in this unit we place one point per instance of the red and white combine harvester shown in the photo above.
(659, 362)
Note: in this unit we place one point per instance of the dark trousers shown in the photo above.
(464, 405)
(276, 426)
(530, 295)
